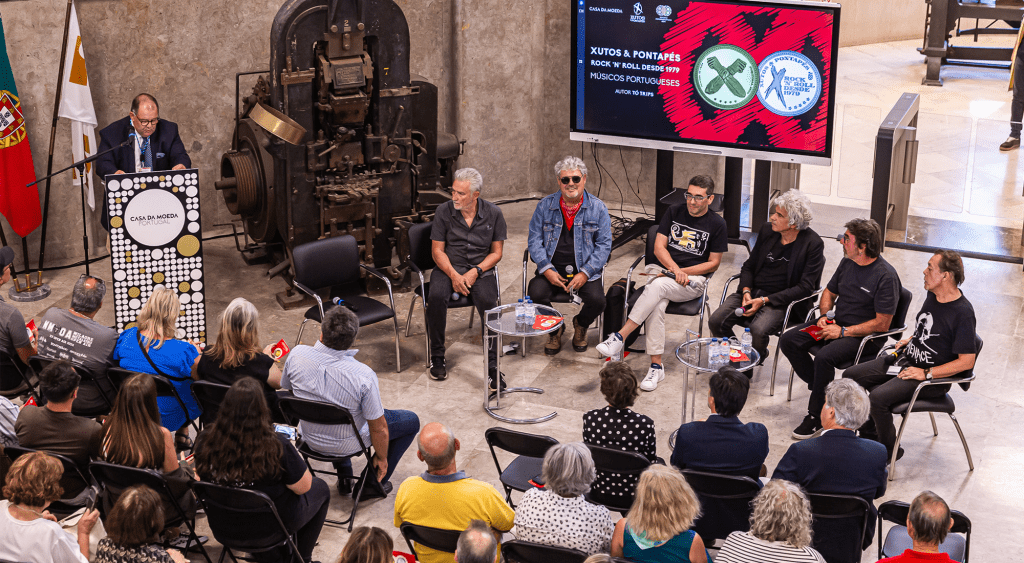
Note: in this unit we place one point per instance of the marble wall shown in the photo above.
(501, 67)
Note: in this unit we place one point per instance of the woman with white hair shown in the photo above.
(558, 514)
(237, 354)
(785, 265)
(780, 529)
(657, 528)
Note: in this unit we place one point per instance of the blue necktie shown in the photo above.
(146, 154)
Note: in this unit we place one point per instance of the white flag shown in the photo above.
(76, 102)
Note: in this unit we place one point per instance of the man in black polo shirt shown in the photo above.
(467, 238)
(864, 291)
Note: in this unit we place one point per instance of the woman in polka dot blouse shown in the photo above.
(616, 426)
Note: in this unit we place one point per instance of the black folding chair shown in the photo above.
(209, 395)
(839, 525)
(244, 520)
(942, 404)
(957, 544)
(100, 383)
(625, 464)
(333, 263)
(116, 478)
(518, 551)
(725, 503)
(529, 449)
(298, 410)
(164, 388)
(420, 260)
(10, 364)
(899, 320)
(434, 538)
(72, 472)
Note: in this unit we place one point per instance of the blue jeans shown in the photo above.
(402, 429)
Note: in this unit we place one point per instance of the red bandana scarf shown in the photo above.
(569, 213)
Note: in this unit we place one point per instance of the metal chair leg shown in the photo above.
(935, 429)
(896, 446)
(298, 339)
(775, 365)
(426, 335)
(963, 440)
(472, 310)
(408, 318)
(394, 317)
(789, 396)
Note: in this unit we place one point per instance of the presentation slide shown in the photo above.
(719, 73)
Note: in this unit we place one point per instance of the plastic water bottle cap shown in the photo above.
(746, 330)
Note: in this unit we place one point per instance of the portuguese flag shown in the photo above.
(20, 205)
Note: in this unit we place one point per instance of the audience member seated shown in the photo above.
(927, 525)
(30, 533)
(53, 428)
(132, 436)
(558, 514)
(618, 427)
(242, 449)
(784, 265)
(237, 354)
(477, 544)
(73, 335)
(328, 371)
(9, 413)
(599, 558)
(368, 545)
(723, 444)
(150, 347)
(444, 497)
(838, 462)
(657, 527)
(943, 344)
(14, 339)
(780, 529)
(864, 292)
(133, 530)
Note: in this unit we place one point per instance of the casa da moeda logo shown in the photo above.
(790, 84)
(663, 12)
(638, 14)
(725, 76)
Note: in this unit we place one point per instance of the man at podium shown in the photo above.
(155, 144)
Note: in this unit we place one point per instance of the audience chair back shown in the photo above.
(529, 449)
(839, 525)
(942, 404)
(957, 544)
(209, 395)
(724, 501)
(9, 364)
(434, 538)
(298, 410)
(244, 520)
(73, 476)
(333, 264)
(103, 386)
(609, 460)
(518, 551)
(420, 260)
(116, 478)
(164, 388)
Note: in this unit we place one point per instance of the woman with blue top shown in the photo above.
(174, 359)
(657, 528)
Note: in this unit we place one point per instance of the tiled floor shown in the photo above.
(990, 413)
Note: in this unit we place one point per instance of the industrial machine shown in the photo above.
(338, 137)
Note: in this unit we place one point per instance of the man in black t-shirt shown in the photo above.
(864, 292)
(690, 244)
(943, 344)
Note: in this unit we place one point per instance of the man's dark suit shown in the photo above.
(168, 151)
(722, 444)
(838, 462)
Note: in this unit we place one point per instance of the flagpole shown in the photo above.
(53, 134)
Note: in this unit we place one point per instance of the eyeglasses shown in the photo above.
(842, 237)
(697, 198)
(574, 179)
(146, 122)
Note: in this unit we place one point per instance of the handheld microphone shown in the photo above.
(345, 304)
(569, 272)
(741, 310)
(830, 317)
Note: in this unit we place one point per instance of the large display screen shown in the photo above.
(732, 77)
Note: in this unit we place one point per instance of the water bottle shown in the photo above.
(520, 314)
(713, 352)
(531, 311)
(746, 340)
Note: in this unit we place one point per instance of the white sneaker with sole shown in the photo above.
(654, 377)
(612, 346)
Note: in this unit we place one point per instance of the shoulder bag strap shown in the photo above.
(138, 338)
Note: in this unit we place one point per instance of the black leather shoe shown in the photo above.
(1010, 144)
(438, 370)
(501, 379)
(344, 486)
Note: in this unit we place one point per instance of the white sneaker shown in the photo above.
(612, 346)
(654, 376)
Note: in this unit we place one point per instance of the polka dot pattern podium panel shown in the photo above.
(156, 239)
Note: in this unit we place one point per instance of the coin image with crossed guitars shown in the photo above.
(726, 77)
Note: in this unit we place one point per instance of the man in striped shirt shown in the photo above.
(329, 372)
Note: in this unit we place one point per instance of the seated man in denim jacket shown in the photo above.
(570, 240)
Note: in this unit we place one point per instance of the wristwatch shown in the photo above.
(928, 374)
(479, 272)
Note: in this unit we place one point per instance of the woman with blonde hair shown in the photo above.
(368, 545)
(151, 347)
(237, 354)
(780, 529)
(657, 528)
